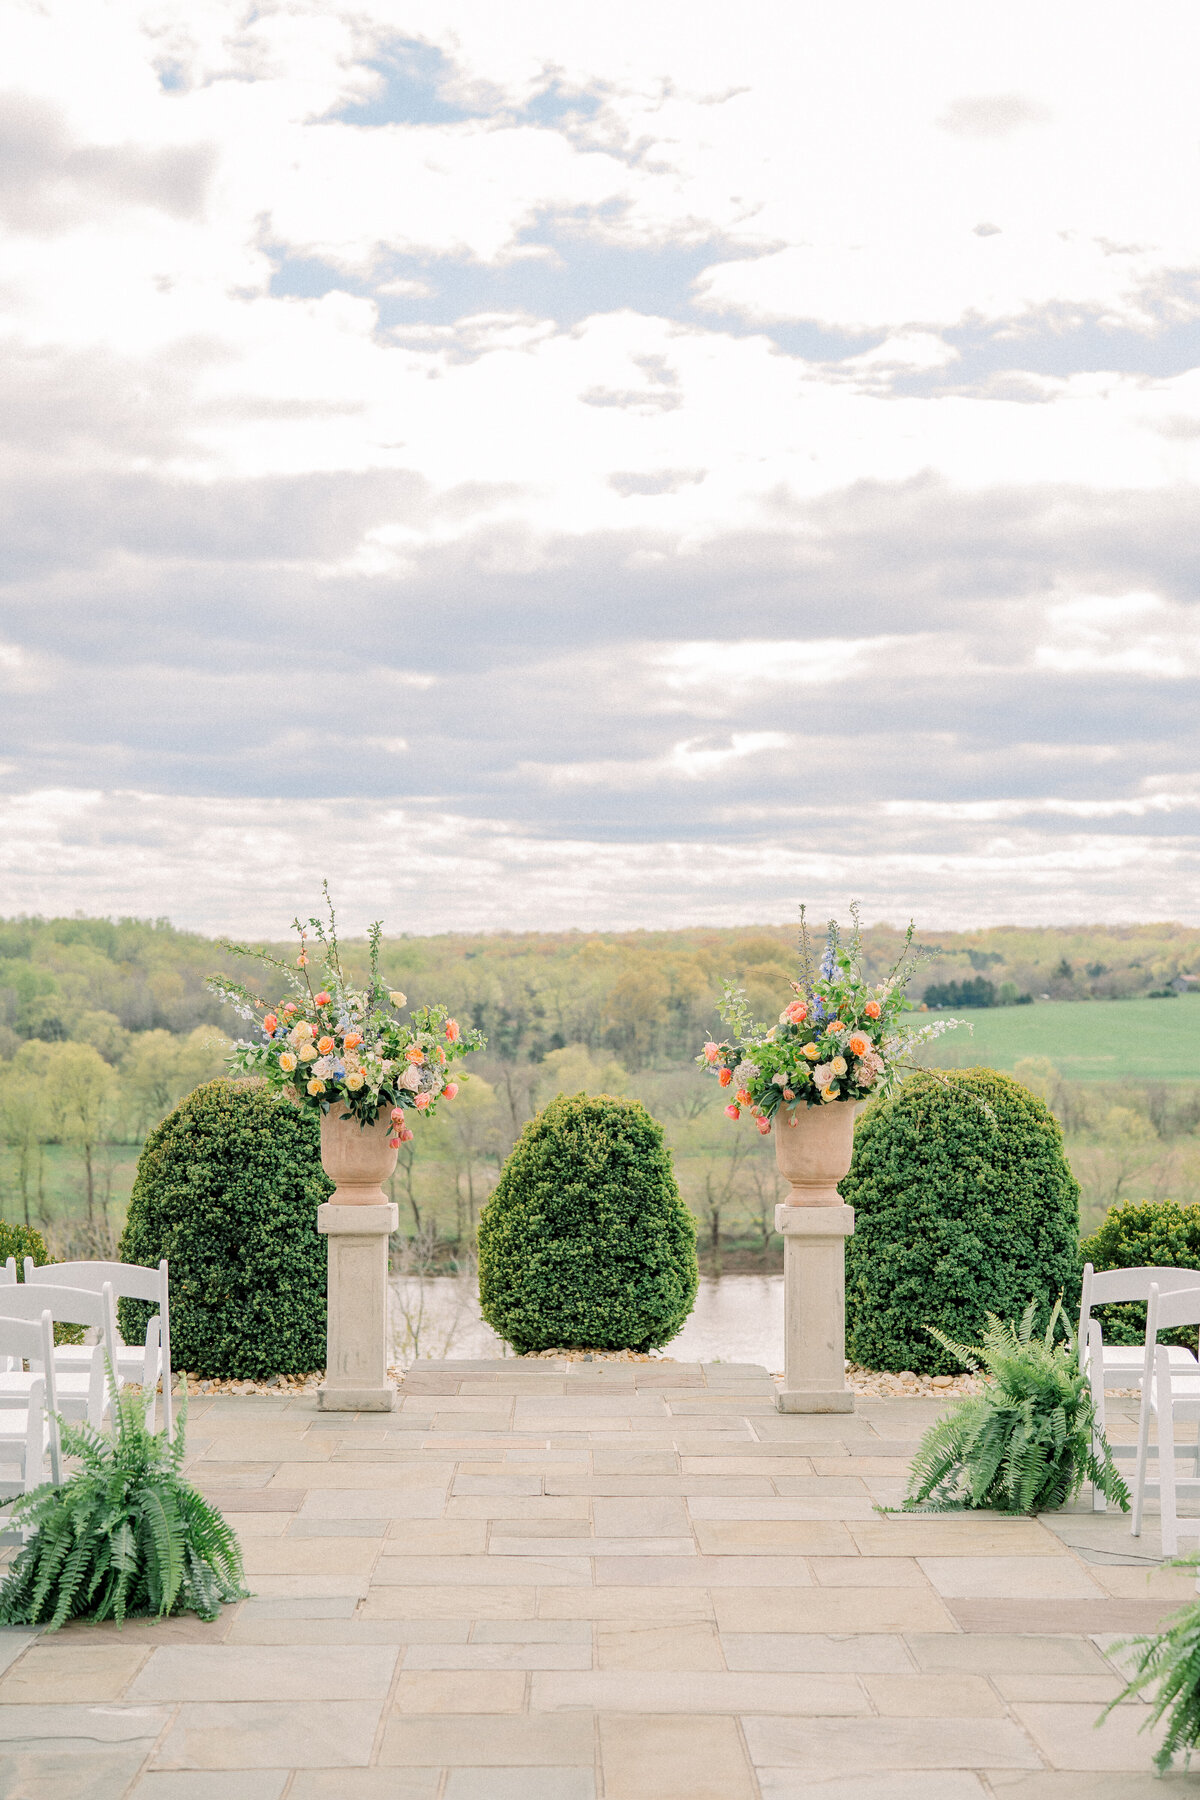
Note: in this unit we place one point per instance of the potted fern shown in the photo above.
(1171, 1658)
(1027, 1443)
(125, 1536)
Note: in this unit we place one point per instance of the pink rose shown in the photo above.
(422, 1102)
(450, 1089)
(393, 1143)
(712, 1051)
(397, 1114)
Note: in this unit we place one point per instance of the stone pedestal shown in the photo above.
(356, 1377)
(814, 1289)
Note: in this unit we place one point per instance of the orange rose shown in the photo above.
(725, 1077)
(325, 1045)
(415, 1054)
(353, 1040)
(872, 1009)
(859, 1043)
(743, 1097)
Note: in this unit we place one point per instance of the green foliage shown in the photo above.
(1152, 1233)
(585, 1241)
(1171, 1658)
(964, 1206)
(125, 1536)
(22, 1241)
(227, 1190)
(1025, 1444)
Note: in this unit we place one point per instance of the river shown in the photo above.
(736, 1318)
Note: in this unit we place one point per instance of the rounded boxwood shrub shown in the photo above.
(227, 1190)
(585, 1242)
(23, 1241)
(964, 1205)
(1150, 1233)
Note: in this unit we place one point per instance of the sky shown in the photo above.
(604, 467)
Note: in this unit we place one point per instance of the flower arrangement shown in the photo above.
(337, 1043)
(836, 1039)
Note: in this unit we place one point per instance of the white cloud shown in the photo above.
(551, 488)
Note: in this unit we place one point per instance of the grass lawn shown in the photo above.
(1100, 1040)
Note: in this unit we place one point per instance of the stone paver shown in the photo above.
(636, 1581)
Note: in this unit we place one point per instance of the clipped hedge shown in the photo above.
(22, 1241)
(227, 1190)
(964, 1205)
(585, 1242)
(1154, 1233)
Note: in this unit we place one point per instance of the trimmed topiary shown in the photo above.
(1152, 1233)
(21, 1241)
(585, 1242)
(227, 1190)
(964, 1206)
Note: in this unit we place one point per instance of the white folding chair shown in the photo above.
(1169, 1398)
(146, 1363)
(1120, 1365)
(82, 1388)
(29, 1430)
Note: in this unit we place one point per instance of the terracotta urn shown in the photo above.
(813, 1148)
(357, 1159)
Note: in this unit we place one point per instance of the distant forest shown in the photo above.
(647, 998)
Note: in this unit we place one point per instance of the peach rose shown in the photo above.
(450, 1089)
(325, 1045)
(452, 1031)
(322, 999)
(872, 1009)
(858, 1043)
(725, 1077)
(422, 1101)
(711, 1051)
(353, 1040)
(270, 1022)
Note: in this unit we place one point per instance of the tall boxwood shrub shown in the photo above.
(964, 1205)
(585, 1241)
(227, 1190)
(1152, 1233)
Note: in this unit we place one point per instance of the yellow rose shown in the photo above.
(287, 1062)
(838, 1065)
(812, 1051)
(398, 999)
(831, 1092)
(308, 1053)
(354, 1080)
(316, 1085)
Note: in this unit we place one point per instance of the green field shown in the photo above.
(1099, 1040)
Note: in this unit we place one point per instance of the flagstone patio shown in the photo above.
(553, 1581)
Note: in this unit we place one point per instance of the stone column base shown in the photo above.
(814, 1308)
(356, 1356)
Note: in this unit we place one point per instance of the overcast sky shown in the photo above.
(605, 466)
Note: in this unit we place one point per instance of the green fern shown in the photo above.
(1026, 1443)
(125, 1536)
(1171, 1658)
